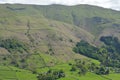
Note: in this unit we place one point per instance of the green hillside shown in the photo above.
(38, 41)
(91, 18)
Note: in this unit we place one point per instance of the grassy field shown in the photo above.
(74, 75)
(13, 73)
(43, 63)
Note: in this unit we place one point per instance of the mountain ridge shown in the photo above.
(92, 21)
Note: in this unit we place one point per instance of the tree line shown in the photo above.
(108, 55)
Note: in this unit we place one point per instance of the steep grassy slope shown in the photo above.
(20, 21)
(91, 18)
(26, 24)
(12, 73)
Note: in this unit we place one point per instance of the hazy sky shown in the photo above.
(114, 4)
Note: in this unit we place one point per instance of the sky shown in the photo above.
(113, 4)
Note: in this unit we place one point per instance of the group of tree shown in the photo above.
(51, 75)
(83, 67)
(108, 55)
(16, 48)
(13, 44)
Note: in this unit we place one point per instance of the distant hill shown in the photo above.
(21, 20)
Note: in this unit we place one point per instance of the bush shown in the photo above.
(51, 75)
(108, 55)
(13, 44)
(102, 71)
(74, 68)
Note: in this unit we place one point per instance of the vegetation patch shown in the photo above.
(13, 44)
(108, 55)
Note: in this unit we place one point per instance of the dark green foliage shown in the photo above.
(108, 55)
(88, 50)
(83, 70)
(85, 48)
(45, 77)
(74, 68)
(102, 71)
(111, 41)
(92, 67)
(59, 74)
(13, 45)
(81, 66)
(86, 66)
(51, 75)
(113, 48)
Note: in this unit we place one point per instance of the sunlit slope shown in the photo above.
(29, 25)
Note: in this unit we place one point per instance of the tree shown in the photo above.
(51, 75)
(103, 71)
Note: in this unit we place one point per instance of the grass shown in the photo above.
(13, 73)
(88, 76)
(113, 76)
(94, 61)
(75, 76)
(24, 75)
(4, 74)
